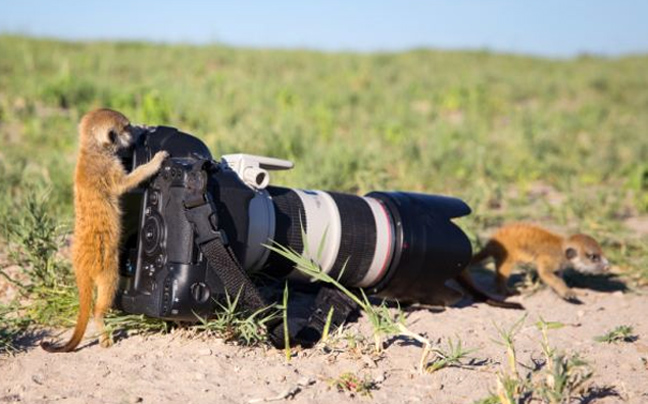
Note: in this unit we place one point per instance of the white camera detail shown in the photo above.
(253, 170)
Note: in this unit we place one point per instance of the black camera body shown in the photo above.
(163, 273)
(394, 245)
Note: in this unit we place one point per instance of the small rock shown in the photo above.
(380, 378)
(205, 352)
(135, 400)
(369, 362)
(437, 385)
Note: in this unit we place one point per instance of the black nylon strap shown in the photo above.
(221, 259)
(327, 298)
(223, 263)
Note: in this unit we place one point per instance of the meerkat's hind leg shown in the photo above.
(106, 288)
(503, 269)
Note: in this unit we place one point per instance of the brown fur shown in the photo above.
(99, 180)
(550, 253)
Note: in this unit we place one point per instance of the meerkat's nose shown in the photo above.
(606, 264)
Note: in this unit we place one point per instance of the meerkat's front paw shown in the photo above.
(160, 157)
(571, 296)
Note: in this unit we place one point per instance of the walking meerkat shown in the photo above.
(99, 180)
(551, 253)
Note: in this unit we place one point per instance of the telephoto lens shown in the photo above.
(397, 245)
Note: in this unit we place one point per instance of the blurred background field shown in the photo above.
(563, 143)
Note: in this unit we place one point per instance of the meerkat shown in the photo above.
(549, 252)
(99, 180)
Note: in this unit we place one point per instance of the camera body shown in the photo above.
(394, 245)
(163, 272)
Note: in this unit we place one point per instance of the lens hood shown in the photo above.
(429, 248)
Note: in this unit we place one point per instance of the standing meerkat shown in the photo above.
(99, 180)
(549, 252)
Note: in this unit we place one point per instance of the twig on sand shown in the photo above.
(288, 393)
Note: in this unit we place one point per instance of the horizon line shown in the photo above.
(332, 51)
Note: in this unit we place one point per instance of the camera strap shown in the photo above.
(201, 213)
(331, 300)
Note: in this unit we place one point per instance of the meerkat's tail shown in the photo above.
(465, 280)
(85, 306)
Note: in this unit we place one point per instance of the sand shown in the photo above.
(176, 368)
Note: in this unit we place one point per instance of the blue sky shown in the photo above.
(548, 28)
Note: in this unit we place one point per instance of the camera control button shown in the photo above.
(200, 292)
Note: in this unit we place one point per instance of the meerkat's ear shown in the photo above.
(112, 136)
(570, 253)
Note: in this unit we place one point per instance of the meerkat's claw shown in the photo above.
(160, 156)
(571, 297)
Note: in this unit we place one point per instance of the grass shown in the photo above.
(34, 238)
(557, 142)
(452, 356)
(622, 333)
(350, 383)
(231, 323)
(12, 327)
(519, 138)
(560, 379)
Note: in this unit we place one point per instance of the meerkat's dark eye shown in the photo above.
(594, 257)
(112, 136)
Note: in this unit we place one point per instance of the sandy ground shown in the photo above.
(174, 368)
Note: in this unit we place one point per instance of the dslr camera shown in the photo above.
(394, 245)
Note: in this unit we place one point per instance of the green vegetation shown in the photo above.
(519, 138)
(350, 383)
(622, 333)
(559, 379)
(12, 327)
(233, 324)
(452, 356)
(35, 238)
(563, 143)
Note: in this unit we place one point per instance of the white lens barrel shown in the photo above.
(350, 237)
(323, 231)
